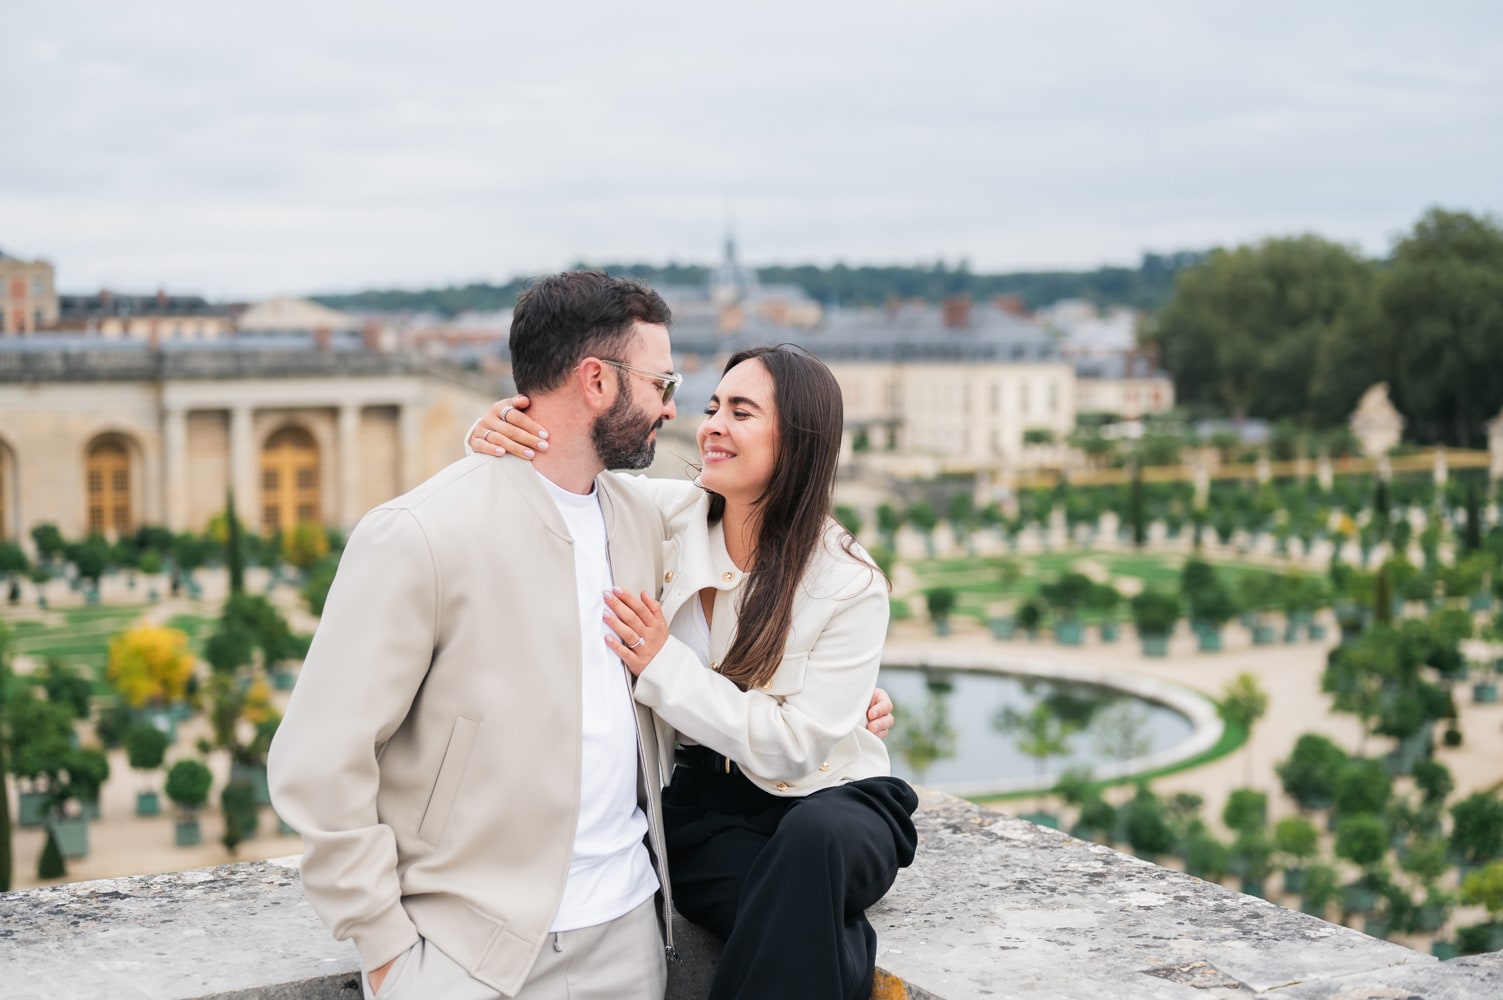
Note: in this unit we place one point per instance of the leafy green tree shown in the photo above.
(1362, 840)
(1309, 775)
(1485, 888)
(1246, 810)
(1245, 329)
(1477, 828)
(66, 686)
(48, 541)
(188, 783)
(1362, 786)
(1441, 302)
(1434, 781)
(924, 520)
(940, 601)
(1243, 703)
(51, 864)
(7, 845)
(145, 747)
(1145, 826)
(237, 803)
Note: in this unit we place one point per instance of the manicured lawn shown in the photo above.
(82, 638)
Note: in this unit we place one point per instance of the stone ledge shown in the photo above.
(993, 905)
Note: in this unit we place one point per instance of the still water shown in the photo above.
(984, 715)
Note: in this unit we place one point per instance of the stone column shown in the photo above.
(1441, 472)
(175, 468)
(349, 466)
(409, 429)
(244, 465)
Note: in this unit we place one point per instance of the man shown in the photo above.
(462, 754)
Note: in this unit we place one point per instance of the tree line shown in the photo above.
(1147, 286)
(1297, 328)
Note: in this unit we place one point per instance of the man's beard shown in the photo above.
(621, 434)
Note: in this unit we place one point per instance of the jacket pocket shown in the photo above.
(789, 678)
(450, 776)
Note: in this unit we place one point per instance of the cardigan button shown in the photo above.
(715, 665)
(825, 766)
(782, 786)
(668, 576)
(728, 576)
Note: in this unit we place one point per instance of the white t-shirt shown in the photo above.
(611, 871)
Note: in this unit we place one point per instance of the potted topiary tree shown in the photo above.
(1066, 596)
(1295, 840)
(188, 787)
(940, 601)
(1105, 601)
(1154, 613)
(145, 749)
(1030, 617)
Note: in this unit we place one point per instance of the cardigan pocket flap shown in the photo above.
(789, 678)
(450, 776)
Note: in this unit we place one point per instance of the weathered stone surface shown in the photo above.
(993, 907)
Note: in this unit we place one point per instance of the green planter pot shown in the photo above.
(187, 833)
(90, 807)
(1480, 602)
(1002, 628)
(1291, 631)
(1313, 908)
(1359, 898)
(1378, 927)
(1041, 819)
(1443, 950)
(1155, 645)
(72, 837)
(1069, 633)
(164, 719)
(1209, 641)
(255, 775)
(148, 804)
(1254, 887)
(1485, 692)
(1429, 918)
(941, 628)
(32, 811)
(1317, 632)
(1295, 880)
(1264, 634)
(283, 680)
(1110, 631)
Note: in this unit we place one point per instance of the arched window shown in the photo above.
(107, 478)
(289, 480)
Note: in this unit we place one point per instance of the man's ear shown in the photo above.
(596, 386)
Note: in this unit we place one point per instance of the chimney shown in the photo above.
(957, 312)
(1010, 304)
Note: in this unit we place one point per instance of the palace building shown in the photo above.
(110, 436)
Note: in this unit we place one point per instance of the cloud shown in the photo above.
(292, 147)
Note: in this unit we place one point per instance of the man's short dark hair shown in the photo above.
(564, 318)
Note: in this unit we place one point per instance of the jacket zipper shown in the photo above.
(654, 831)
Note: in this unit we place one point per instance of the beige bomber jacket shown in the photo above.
(430, 753)
(806, 728)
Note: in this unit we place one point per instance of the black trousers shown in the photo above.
(784, 881)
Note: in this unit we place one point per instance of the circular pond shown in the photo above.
(977, 731)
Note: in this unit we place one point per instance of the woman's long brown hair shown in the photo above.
(792, 511)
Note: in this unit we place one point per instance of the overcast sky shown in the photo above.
(274, 147)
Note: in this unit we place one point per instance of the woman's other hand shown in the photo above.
(506, 430)
(879, 717)
(639, 626)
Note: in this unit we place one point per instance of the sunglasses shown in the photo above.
(667, 382)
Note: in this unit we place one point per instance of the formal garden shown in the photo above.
(1393, 586)
(155, 662)
(150, 661)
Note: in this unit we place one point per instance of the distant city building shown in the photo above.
(152, 318)
(1114, 374)
(285, 315)
(107, 437)
(28, 298)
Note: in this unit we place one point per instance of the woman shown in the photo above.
(783, 823)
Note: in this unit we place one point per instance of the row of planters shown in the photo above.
(153, 552)
(1072, 602)
(1365, 826)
